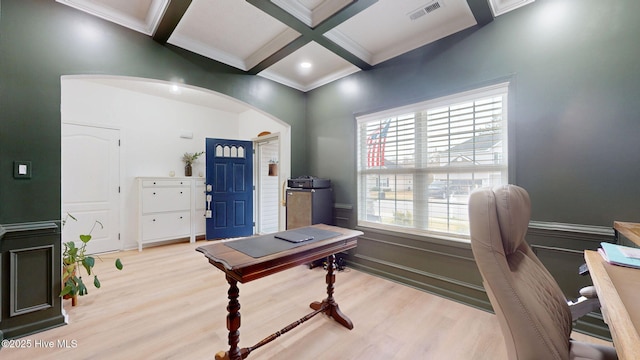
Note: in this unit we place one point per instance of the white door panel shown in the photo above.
(201, 206)
(268, 196)
(90, 181)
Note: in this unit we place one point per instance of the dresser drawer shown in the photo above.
(164, 183)
(165, 199)
(166, 226)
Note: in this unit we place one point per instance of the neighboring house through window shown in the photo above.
(417, 164)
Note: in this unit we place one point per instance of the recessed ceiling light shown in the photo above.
(305, 65)
(175, 89)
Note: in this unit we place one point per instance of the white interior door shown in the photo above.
(268, 181)
(90, 185)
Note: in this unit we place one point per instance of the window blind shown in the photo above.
(417, 164)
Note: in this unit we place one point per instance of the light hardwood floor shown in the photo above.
(170, 303)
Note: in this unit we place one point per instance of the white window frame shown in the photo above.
(366, 169)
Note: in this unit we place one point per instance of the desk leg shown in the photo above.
(233, 323)
(329, 305)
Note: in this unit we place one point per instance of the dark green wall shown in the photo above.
(40, 41)
(43, 40)
(574, 104)
(574, 115)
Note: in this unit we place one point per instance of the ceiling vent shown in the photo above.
(424, 10)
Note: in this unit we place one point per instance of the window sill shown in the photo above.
(461, 241)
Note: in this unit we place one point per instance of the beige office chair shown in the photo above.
(532, 311)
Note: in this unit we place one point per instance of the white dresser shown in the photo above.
(170, 208)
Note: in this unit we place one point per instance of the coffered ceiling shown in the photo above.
(299, 43)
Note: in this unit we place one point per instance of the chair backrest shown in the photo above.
(532, 310)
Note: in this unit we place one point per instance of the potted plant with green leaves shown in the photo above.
(73, 260)
(189, 159)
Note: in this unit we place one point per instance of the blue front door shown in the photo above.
(230, 174)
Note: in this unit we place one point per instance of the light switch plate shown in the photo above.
(22, 169)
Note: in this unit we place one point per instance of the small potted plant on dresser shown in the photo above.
(73, 260)
(189, 159)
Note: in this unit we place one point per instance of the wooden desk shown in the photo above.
(618, 290)
(242, 268)
(630, 230)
